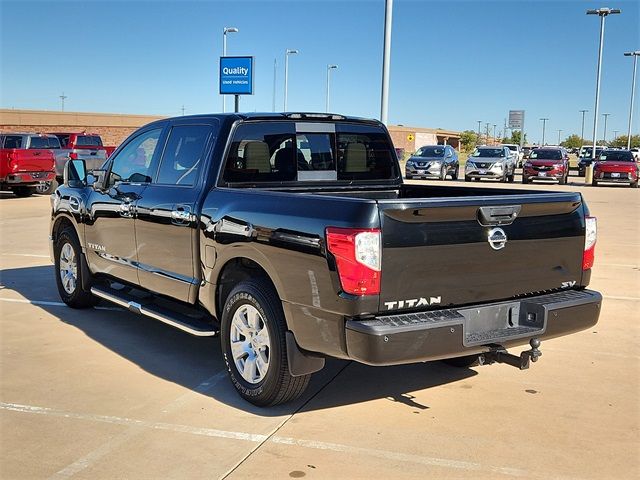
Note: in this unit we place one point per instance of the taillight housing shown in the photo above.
(358, 254)
(590, 236)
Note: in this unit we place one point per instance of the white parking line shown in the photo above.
(617, 297)
(137, 426)
(45, 303)
(24, 255)
(619, 265)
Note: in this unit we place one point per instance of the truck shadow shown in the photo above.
(186, 360)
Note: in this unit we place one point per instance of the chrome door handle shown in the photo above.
(181, 215)
(125, 209)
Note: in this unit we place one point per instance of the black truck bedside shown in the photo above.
(294, 238)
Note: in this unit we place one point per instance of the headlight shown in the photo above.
(436, 163)
(409, 163)
(470, 165)
(498, 166)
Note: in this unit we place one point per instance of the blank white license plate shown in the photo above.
(543, 174)
(615, 175)
(482, 172)
(422, 172)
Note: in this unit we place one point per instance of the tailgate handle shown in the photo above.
(502, 215)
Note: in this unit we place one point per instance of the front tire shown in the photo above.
(454, 175)
(254, 347)
(443, 173)
(67, 254)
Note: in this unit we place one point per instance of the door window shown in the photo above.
(134, 162)
(183, 156)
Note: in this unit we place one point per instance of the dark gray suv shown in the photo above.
(433, 161)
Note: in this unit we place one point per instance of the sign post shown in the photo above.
(236, 77)
(516, 122)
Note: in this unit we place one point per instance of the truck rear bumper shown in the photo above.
(28, 178)
(434, 335)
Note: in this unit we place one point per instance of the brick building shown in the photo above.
(114, 128)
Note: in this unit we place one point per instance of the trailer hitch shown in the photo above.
(500, 355)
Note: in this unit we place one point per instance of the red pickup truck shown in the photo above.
(25, 162)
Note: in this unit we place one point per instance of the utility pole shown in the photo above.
(62, 98)
(487, 137)
(287, 52)
(494, 133)
(275, 69)
(479, 127)
(582, 131)
(504, 132)
(386, 62)
(559, 133)
(329, 68)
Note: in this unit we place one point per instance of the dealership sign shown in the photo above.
(516, 119)
(236, 75)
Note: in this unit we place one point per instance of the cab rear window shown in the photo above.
(88, 141)
(268, 152)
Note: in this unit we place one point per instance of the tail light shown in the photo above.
(73, 156)
(590, 236)
(358, 258)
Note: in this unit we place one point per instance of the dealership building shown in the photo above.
(114, 128)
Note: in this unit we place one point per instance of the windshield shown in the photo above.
(542, 154)
(430, 152)
(513, 148)
(616, 156)
(488, 152)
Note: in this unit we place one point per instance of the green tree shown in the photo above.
(572, 141)
(469, 140)
(515, 137)
(621, 141)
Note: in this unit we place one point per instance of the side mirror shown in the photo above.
(97, 179)
(74, 173)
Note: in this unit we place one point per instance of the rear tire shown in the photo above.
(408, 177)
(525, 180)
(68, 271)
(24, 191)
(468, 179)
(463, 362)
(563, 180)
(252, 333)
(634, 184)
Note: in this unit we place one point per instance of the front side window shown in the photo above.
(133, 162)
(53, 142)
(183, 156)
(12, 141)
(64, 140)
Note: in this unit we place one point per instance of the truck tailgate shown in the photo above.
(31, 160)
(436, 253)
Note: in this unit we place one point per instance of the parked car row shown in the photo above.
(34, 162)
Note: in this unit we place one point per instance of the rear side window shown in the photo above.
(39, 142)
(183, 155)
(53, 142)
(64, 140)
(12, 141)
(287, 151)
(88, 141)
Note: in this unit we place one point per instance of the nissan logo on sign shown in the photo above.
(497, 238)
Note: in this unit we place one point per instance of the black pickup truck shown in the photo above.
(294, 238)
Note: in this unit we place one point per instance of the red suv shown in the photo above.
(547, 164)
(616, 166)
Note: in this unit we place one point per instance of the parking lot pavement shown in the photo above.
(107, 394)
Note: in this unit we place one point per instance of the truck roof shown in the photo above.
(315, 116)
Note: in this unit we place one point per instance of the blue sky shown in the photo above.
(453, 62)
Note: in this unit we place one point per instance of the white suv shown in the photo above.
(515, 150)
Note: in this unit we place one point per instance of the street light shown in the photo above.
(633, 91)
(602, 13)
(329, 68)
(386, 61)
(287, 52)
(544, 126)
(479, 127)
(226, 30)
(605, 115)
(582, 131)
(494, 133)
(487, 137)
(559, 134)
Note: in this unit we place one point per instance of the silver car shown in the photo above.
(433, 161)
(496, 163)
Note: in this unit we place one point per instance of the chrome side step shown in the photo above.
(195, 327)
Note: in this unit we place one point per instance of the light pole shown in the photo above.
(275, 69)
(487, 137)
(544, 126)
(494, 133)
(287, 52)
(605, 115)
(329, 68)
(479, 127)
(602, 13)
(633, 91)
(582, 131)
(226, 30)
(386, 61)
(559, 133)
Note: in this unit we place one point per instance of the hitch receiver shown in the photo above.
(500, 355)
